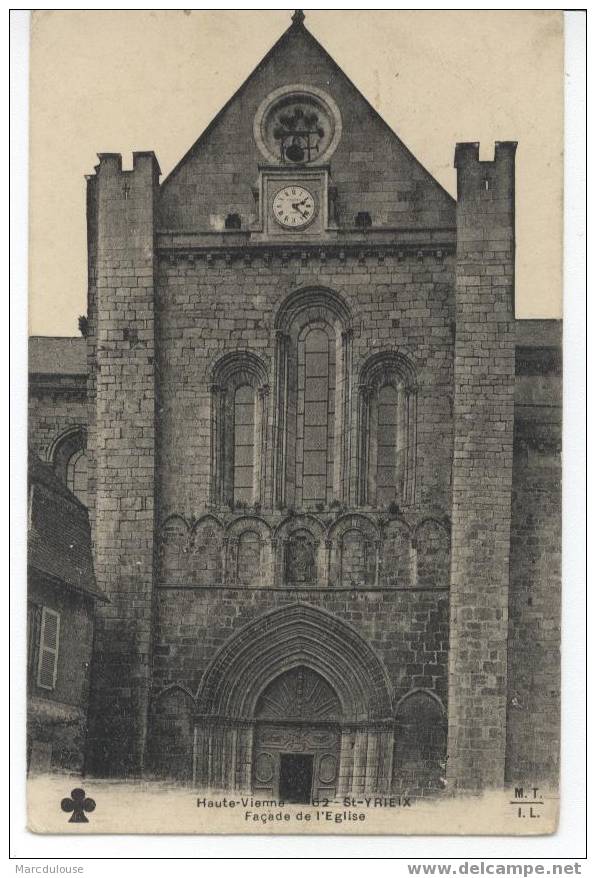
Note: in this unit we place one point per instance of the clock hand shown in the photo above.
(296, 207)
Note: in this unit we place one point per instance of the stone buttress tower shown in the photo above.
(121, 348)
(484, 376)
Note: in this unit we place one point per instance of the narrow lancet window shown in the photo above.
(244, 444)
(316, 413)
(387, 439)
(387, 432)
(76, 475)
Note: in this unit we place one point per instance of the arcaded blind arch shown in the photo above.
(386, 449)
(239, 393)
(312, 400)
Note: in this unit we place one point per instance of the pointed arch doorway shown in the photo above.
(250, 693)
(297, 738)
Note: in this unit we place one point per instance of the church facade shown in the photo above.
(320, 455)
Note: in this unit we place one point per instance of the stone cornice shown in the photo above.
(421, 244)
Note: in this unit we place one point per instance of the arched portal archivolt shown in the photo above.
(296, 636)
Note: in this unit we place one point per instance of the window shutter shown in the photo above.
(48, 648)
(33, 629)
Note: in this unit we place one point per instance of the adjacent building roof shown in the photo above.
(50, 355)
(59, 543)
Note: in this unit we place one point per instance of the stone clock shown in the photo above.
(294, 206)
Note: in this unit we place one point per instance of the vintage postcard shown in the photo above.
(295, 367)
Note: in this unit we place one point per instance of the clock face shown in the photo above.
(294, 207)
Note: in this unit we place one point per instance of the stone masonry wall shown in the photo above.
(483, 428)
(91, 340)
(55, 406)
(399, 301)
(407, 630)
(371, 168)
(207, 307)
(533, 709)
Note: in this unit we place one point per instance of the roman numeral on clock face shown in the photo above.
(293, 207)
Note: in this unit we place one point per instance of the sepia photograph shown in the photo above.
(295, 422)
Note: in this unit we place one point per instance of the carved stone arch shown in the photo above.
(420, 743)
(312, 447)
(75, 436)
(443, 522)
(239, 402)
(225, 365)
(398, 558)
(289, 697)
(403, 702)
(172, 550)
(171, 733)
(387, 364)
(172, 688)
(173, 521)
(68, 456)
(432, 544)
(206, 550)
(254, 522)
(354, 520)
(303, 520)
(386, 430)
(207, 518)
(294, 636)
(256, 654)
(248, 552)
(303, 298)
(353, 543)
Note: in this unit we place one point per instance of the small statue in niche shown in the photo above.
(300, 559)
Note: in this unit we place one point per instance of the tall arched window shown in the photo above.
(238, 430)
(387, 431)
(69, 459)
(389, 438)
(243, 487)
(316, 416)
(311, 460)
(76, 475)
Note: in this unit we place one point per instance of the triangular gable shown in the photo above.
(371, 168)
